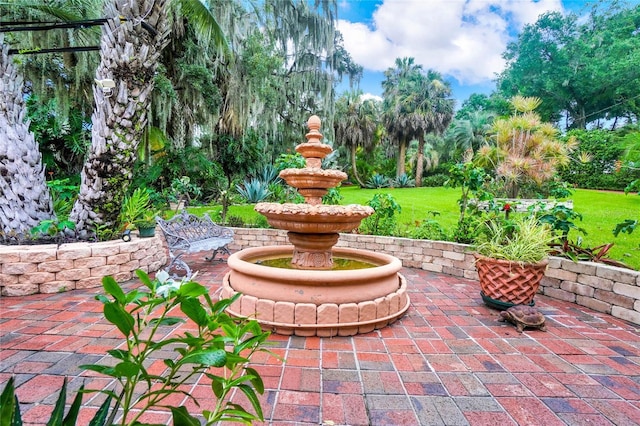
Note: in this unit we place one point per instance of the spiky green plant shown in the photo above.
(522, 239)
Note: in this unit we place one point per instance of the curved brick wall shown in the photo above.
(603, 288)
(51, 268)
(47, 269)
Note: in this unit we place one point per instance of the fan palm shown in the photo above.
(394, 85)
(355, 125)
(417, 105)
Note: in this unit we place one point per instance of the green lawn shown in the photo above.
(601, 211)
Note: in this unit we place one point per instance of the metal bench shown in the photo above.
(187, 233)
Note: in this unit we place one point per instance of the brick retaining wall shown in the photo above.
(51, 268)
(603, 288)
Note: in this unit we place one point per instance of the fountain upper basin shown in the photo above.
(315, 219)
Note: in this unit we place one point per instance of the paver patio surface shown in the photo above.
(448, 361)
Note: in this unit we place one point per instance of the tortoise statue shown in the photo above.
(523, 316)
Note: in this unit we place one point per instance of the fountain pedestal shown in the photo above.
(310, 298)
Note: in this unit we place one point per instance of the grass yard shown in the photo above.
(601, 212)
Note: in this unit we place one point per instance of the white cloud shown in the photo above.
(461, 39)
(366, 96)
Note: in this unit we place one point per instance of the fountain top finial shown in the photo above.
(314, 122)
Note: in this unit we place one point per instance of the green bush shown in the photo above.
(384, 221)
(605, 150)
(438, 179)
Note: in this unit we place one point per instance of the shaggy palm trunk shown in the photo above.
(24, 195)
(129, 54)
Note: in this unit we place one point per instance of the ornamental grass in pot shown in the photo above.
(511, 258)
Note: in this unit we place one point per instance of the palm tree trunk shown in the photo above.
(24, 194)
(354, 167)
(402, 155)
(420, 162)
(129, 55)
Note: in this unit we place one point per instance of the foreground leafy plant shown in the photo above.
(213, 342)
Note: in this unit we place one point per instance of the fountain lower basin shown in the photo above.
(316, 302)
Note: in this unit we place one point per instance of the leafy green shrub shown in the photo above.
(52, 228)
(384, 220)
(282, 193)
(235, 221)
(332, 197)
(290, 161)
(435, 180)
(63, 193)
(605, 150)
(253, 190)
(429, 229)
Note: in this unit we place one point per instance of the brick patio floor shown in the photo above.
(448, 361)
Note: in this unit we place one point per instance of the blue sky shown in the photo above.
(461, 39)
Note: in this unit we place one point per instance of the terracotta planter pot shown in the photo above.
(509, 282)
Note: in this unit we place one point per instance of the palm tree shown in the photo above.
(432, 114)
(419, 105)
(23, 188)
(394, 86)
(129, 54)
(470, 133)
(355, 125)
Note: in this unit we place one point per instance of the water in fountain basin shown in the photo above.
(339, 264)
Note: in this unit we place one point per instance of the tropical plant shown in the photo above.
(378, 181)
(356, 126)
(415, 104)
(63, 140)
(26, 200)
(253, 190)
(63, 193)
(467, 135)
(403, 181)
(526, 149)
(135, 207)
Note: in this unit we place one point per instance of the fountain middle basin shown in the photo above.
(316, 302)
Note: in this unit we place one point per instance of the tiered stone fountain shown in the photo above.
(310, 297)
